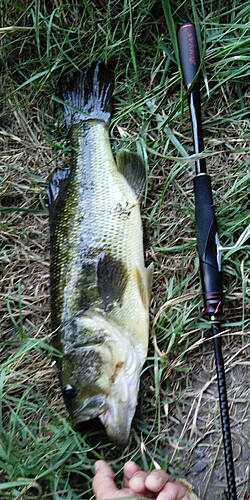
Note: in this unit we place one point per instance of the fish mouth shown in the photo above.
(122, 401)
(113, 413)
(91, 428)
(117, 419)
(91, 408)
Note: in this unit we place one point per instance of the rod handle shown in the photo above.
(189, 52)
(190, 62)
(206, 236)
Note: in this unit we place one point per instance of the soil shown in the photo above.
(197, 422)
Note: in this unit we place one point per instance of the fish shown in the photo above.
(100, 287)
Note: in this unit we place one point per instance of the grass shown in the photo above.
(40, 454)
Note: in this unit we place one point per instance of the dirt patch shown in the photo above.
(197, 423)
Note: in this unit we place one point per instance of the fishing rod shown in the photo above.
(208, 246)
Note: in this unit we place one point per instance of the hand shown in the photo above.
(155, 485)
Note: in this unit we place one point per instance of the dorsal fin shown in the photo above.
(57, 181)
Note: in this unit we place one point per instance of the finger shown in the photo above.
(156, 480)
(130, 468)
(173, 491)
(137, 482)
(103, 483)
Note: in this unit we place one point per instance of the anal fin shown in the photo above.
(132, 167)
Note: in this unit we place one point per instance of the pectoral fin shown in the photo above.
(112, 279)
(132, 167)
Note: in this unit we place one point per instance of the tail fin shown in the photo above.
(88, 95)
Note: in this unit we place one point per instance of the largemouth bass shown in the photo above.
(99, 285)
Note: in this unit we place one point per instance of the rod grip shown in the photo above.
(189, 52)
(206, 234)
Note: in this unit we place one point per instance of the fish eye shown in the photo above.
(69, 392)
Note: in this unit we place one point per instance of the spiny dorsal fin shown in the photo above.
(132, 167)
